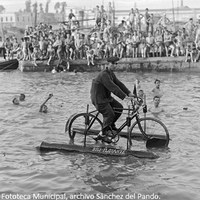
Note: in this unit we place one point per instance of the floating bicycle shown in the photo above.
(82, 126)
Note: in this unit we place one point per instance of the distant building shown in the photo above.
(17, 19)
(180, 14)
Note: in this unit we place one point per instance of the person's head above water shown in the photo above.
(22, 97)
(157, 83)
(15, 101)
(44, 109)
(156, 101)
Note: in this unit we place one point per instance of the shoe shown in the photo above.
(107, 140)
(109, 133)
(100, 136)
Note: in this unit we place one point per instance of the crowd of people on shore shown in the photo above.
(125, 40)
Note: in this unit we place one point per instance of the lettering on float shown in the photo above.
(106, 150)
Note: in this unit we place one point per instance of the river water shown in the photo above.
(26, 171)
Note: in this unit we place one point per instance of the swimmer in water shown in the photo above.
(157, 91)
(156, 109)
(43, 109)
(22, 97)
(15, 101)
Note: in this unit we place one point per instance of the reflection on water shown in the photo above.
(175, 175)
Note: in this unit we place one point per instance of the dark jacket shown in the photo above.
(105, 84)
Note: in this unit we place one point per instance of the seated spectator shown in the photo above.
(168, 42)
(178, 41)
(158, 42)
(50, 53)
(129, 44)
(36, 51)
(121, 45)
(8, 46)
(25, 45)
(150, 41)
(15, 49)
(115, 49)
(189, 53)
(43, 44)
(143, 46)
(90, 55)
(2, 48)
(197, 57)
(58, 45)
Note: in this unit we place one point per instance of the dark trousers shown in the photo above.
(111, 112)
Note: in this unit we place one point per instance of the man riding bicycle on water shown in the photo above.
(102, 86)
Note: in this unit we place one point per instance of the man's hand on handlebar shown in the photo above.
(132, 98)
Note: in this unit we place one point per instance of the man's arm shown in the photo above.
(121, 85)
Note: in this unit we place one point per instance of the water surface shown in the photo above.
(24, 170)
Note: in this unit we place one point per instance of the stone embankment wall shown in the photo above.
(163, 64)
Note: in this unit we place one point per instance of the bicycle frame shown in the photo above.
(134, 114)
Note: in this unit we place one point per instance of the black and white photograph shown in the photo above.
(99, 100)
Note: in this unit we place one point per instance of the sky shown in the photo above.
(15, 5)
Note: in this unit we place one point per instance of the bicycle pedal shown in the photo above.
(107, 140)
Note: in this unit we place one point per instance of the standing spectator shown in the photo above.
(110, 16)
(197, 36)
(190, 27)
(151, 23)
(71, 15)
(163, 21)
(136, 41)
(71, 18)
(131, 19)
(137, 20)
(97, 16)
(103, 17)
(147, 19)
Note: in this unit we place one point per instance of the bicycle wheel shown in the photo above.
(152, 130)
(77, 125)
